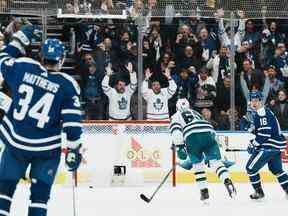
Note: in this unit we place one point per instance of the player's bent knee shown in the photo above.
(40, 192)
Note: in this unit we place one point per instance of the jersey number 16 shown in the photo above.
(38, 111)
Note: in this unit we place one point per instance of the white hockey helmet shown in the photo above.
(182, 104)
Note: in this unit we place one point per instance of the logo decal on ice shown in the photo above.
(142, 157)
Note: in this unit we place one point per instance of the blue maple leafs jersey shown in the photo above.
(43, 105)
(267, 130)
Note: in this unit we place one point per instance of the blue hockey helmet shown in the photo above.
(255, 95)
(53, 50)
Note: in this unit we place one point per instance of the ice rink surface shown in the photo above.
(180, 201)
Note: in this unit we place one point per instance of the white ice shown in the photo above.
(180, 201)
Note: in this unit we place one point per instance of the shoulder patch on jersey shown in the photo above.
(70, 79)
(30, 61)
(261, 111)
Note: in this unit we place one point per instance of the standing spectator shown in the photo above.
(89, 34)
(220, 65)
(186, 87)
(157, 97)
(105, 55)
(148, 55)
(189, 59)
(91, 90)
(270, 38)
(253, 77)
(120, 96)
(156, 42)
(209, 43)
(125, 45)
(244, 52)
(251, 35)
(281, 61)
(275, 83)
(280, 108)
(222, 102)
(206, 91)
(225, 34)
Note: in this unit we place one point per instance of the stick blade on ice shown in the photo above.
(143, 197)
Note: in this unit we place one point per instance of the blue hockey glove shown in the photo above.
(73, 159)
(253, 147)
(27, 34)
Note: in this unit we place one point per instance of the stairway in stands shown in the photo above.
(55, 29)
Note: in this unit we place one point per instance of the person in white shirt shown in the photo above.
(119, 96)
(157, 97)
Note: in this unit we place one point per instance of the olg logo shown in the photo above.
(143, 158)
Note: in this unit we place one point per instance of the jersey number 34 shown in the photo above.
(38, 111)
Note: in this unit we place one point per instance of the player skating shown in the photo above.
(194, 137)
(266, 147)
(44, 103)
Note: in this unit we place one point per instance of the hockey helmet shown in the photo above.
(255, 95)
(53, 50)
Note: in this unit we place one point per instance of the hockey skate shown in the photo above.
(204, 195)
(230, 187)
(258, 195)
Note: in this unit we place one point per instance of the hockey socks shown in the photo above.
(7, 189)
(200, 175)
(283, 181)
(37, 209)
(5, 203)
(255, 180)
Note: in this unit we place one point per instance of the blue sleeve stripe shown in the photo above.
(264, 135)
(71, 111)
(72, 124)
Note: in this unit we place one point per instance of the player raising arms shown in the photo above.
(44, 103)
(266, 147)
(195, 137)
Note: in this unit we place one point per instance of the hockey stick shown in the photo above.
(245, 150)
(147, 199)
(74, 184)
(235, 150)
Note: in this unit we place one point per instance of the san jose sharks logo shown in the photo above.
(158, 104)
(122, 103)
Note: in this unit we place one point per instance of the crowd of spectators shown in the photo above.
(183, 57)
(196, 52)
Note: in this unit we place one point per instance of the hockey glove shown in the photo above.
(186, 164)
(181, 152)
(73, 159)
(253, 147)
(27, 34)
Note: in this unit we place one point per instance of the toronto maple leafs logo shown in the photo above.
(122, 103)
(158, 104)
